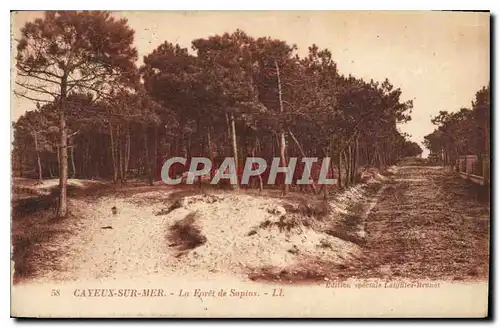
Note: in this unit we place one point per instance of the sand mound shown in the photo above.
(245, 232)
(47, 186)
(221, 232)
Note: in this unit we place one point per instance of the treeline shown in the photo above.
(98, 116)
(464, 132)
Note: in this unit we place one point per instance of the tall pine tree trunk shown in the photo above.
(346, 166)
(113, 151)
(356, 158)
(148, 161)
(62, 209)
(261, 183)
(303, 153)
(73, 173)
(40, 177)
(87, 156)
(210, 152)
(282, 130)
(236, 187)
(228, 123)
(350, 161)
(325, 186)
(120, 152)
(339, 167)
(127, 153)
(283, 159)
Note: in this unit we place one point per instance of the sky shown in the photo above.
(438, 59)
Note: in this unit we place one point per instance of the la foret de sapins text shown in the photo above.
(159, 292)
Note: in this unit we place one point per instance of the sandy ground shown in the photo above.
(419, 222)
(428, 224)
(133, 242)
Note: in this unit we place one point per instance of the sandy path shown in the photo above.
(91, 250)
(427, 224)
(135, 242)
(137, 246)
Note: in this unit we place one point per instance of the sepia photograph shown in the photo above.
(250, 164)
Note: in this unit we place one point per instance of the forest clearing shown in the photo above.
(371, 230)
(139, 238)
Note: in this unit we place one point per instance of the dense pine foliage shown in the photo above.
(97, 115)
(463, 132)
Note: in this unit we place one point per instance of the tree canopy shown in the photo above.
(229, 95)
(463, 132)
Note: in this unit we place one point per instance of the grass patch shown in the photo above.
(30, 235)
(175, 205)
(285, 223)
(347, 228)
(31, 205)
(296, 212)
(346, 235)
(185, 234)
(325, 244)
(316, 209)
(179, 195)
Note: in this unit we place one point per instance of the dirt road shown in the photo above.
(427, 224)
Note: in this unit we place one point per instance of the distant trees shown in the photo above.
(32, 131)
(411, 149)
(464, 132)
(232, 95)
(253, 96)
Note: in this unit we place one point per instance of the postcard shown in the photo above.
(250, 164)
